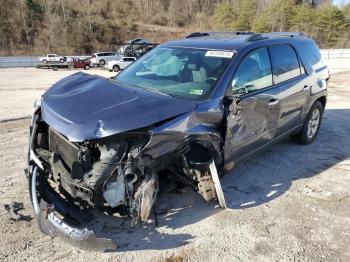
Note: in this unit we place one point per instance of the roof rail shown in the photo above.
(284, 34)
(197, 34)
(251, 36)
(256, 37)
(219, 33)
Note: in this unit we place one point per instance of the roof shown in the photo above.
(229, 40)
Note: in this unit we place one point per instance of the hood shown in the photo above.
(83, 106)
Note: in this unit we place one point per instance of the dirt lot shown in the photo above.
(289, 203)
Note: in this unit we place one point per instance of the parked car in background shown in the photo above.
(134, 45)
(103, 57)
(82, 63)
(52, 58)
(117, 65)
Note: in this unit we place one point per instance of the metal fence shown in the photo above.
(30, 61)
(25, 61)
(19, 61)
(335, 53)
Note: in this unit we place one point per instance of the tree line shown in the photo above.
(84, 26)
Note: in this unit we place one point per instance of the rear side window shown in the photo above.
(253, 73)
(285, 63)
(311, 51)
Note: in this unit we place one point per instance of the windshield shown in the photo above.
(181, 72)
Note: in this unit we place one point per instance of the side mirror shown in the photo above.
(227, 100)
(232, 104)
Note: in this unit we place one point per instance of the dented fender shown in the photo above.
(199, 126)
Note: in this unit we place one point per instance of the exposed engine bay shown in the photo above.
(119, 174)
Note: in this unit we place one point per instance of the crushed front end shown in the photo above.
(118, 175)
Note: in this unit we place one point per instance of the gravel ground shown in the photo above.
(288, 203)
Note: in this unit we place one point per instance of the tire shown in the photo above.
(116, 68)
(61, 60)
(44, 61)
(86, 67)
(102, 62)
(311, 126)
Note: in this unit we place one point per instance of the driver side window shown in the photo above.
(254, 73)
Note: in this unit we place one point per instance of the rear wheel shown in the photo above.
(45, 61)
(102, 62)
(311, 125)
(116, 68)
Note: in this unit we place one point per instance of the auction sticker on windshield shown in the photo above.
(194, 91)
(218, 53)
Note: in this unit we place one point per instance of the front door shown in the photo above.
(253, 114)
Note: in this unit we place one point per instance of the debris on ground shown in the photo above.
(13, 209)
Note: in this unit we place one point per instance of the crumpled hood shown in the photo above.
(83, 106)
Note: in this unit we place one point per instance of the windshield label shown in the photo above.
(197, 92)
(217, 53)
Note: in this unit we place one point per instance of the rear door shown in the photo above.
(253, 114)
(291, 78)
(79, 63)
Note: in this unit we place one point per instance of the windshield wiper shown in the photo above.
(156, 91)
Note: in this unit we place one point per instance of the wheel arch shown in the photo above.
(322, 100)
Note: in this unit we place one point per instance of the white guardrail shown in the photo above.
(30, 61)
(25, 61)
(335, 53)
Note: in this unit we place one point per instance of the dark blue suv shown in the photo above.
(184, 112)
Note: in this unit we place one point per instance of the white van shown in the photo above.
(103, 57)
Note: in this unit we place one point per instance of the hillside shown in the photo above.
(83, 26)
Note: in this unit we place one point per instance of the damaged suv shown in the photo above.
(185, 112)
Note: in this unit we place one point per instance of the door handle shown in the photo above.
(273, 101)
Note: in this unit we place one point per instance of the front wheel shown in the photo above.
(44, 61)
(86, 67)
(311, 125)
(116, 68)
(102, 62)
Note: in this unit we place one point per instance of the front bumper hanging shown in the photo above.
(50, 223)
